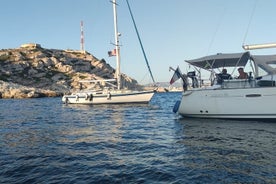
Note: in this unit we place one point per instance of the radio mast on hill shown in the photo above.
(82, 38)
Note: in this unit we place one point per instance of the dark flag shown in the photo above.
(177, 75)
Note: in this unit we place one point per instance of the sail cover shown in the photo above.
(221, 60)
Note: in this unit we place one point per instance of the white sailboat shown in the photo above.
(251, 98)
(116, 95)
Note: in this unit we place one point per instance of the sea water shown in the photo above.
(45, 141)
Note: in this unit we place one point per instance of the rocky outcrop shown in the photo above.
(37, 72)
(11, 90)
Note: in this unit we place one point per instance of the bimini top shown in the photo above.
(266, 62)
(221, 60)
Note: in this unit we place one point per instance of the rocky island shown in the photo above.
(32, 71)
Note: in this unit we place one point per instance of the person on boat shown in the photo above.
(243, 75)
(223, 76)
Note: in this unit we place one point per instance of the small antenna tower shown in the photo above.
(82, 38)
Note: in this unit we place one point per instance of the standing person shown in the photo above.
(243, 75)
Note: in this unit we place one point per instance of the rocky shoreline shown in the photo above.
(33, 72)
(11, 90)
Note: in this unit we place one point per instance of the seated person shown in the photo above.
(243, 75)
(223, 76)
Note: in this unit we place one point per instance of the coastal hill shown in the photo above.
(32, 71)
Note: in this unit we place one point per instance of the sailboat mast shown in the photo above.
(117, 48)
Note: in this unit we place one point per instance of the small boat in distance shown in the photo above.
(115, 94)
(251, 97)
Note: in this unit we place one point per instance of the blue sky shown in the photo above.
(171, 30)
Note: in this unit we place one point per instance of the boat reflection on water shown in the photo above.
(244, 149)
(116, 118)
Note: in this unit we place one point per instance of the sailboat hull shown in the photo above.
(109, 98)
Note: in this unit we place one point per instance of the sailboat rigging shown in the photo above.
(107, 95)
(138, 35)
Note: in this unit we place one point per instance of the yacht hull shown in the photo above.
(246, 103)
